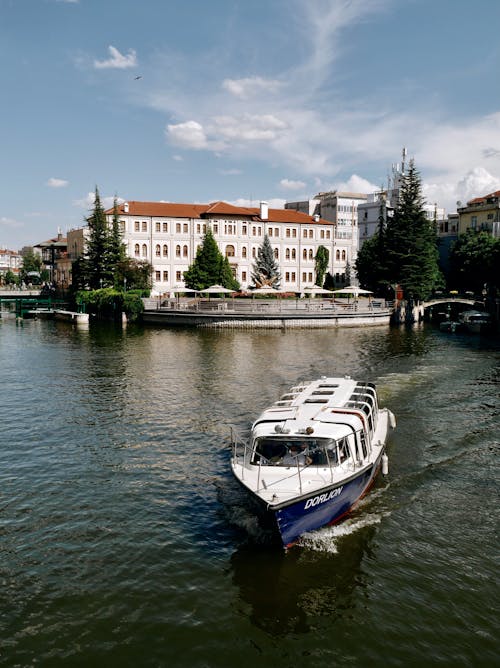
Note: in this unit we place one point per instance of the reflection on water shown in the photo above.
(124, 538)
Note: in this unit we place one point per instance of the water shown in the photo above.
(124, 540)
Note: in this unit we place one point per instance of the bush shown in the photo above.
(109, 304)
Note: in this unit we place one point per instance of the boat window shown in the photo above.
(276, 451)
(332, 386)
(362, 440)
(320, 392)
(316, 400)
(343, 447)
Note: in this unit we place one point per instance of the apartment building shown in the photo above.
(481, 213)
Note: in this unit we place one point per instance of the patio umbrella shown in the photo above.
(316, 290)
(352, 290)
(216, 290)
(265, 290)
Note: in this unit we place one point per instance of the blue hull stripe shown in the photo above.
(320, 509)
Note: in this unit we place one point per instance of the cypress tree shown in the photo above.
(117, 253)
(97, 271)
(265, 268)
(321, 264)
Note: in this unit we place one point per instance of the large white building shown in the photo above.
(168, 235)
(341, 209)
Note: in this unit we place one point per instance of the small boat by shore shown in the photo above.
(451, 326)
(72, 316)
(475, 322)
(313, 454)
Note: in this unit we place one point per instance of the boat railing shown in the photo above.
(239, 450)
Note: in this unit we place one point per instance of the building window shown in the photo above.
(144, 226)
(177, 251)
(310, 277)
(165, 276)
(293, 277)
(304, 254)
(294, 254)
(178, 228)
(184, 251)
(322, 234)
(137, 226)
(276, 254)
(243, 275)
(311, 254)
(185, 228)
(328, 234)
(287, 277)
(270, 232)
(122, 226)
(304, 234)
(165, 250)
(165, 227)
(244, 252)
(178, 276)
(254, 231)
(304, 276)
(287, 254)
(157, 227)
(337, 256)
(157, 276)
(287, 233)
(254, 252)
(216, 228)
(343, 255)
(136, 250)
(243, 229)
(311, 234)
(157, 250)
(144, 250)
(294, 234)
(230, 251)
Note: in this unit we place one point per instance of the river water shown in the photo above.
(124, 540)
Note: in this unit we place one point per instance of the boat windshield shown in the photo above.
(279, 451)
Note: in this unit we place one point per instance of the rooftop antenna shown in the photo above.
(405, 153)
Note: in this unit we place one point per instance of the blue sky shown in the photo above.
(240, 100)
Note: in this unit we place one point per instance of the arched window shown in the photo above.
(136, 250)
(157, 250)
(184, 251)
(343, 255)
(177, 251)
(304, 254)
(165, 250)
(243, 251)
(311, 254)
(276, 254)
(294, 254)
(311, 233)
(287, 254)
(337, 256)
(144, 250)
(230, 251)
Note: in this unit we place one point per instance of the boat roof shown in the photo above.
(318, 405)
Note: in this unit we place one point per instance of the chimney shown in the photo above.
(316, 217)
(125, 207)
(264, 210)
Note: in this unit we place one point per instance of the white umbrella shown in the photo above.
(216, 289)
(181, 290)
(316, 290)
(265, 290)
(352, 290)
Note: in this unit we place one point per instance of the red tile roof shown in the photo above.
(173, 210)
(478, 200)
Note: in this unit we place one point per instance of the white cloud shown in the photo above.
(88, 201)
(177, 158)
(251, 86)
(248, 127)
(189, 135)
(57, 183)
(274, 202)
(10, 222)
(357, 184)
(117, 60)
(288, 184)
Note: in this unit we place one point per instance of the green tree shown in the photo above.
(31, 262)
(410, 242)
(133, 274)
(474, 261)
(97, 269)
(210, 267)
(321, 264)
(265, 268)
(117, 252)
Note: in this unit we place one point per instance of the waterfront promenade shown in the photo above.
(266, 313)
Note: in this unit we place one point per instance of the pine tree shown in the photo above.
(96, 268)
(410, 242)
(266, 269)
(117, 253)
(210, 267)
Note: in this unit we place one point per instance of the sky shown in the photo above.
(241, 101)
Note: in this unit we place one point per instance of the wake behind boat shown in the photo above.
(313, 454)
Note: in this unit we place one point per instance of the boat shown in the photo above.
(312, 455)
(476, 322)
